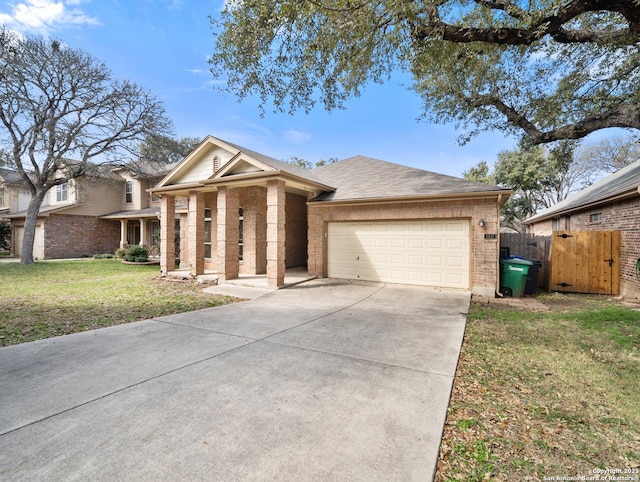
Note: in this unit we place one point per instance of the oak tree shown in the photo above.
(553, 69)
(62, 114)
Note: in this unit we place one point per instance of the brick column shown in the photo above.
(196, 233)
(167, 233)
(227, 233)
(276, 234)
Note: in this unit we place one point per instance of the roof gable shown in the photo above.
(233, 159)
(200, 164)
(361, 177)
(624, 182)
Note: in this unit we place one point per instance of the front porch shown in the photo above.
(292, 277)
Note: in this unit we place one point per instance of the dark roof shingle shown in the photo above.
(623, 181)
(361, 177)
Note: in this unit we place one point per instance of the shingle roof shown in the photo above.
(274, 163)
(624, 181)
(10, 175)
(362, 177)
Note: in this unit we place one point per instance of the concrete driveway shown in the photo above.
(329, 380)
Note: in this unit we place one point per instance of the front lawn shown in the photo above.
(51, 298)
(546, 396)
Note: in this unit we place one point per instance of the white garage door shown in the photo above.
(419, 252)
(38, 243)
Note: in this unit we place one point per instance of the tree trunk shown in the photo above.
(26, 257)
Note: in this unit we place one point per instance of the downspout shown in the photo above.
(498, 293)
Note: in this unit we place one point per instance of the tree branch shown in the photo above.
(552, 25)
(624, 115)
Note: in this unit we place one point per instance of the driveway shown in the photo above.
(329, 380)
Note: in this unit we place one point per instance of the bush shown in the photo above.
(137, 254)
(103, 256)
(119, 253)
(5, 235)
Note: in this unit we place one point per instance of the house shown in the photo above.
(97, 213)
(612, 204)
(359, 218)
(13, 194)
(139, 212)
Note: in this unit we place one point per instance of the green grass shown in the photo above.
(545, 394)
(54, 298)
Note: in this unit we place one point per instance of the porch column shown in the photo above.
(227, 233)
(196, 233)
(167, 233)
(143, 232)
(123, 233)
(276, 234)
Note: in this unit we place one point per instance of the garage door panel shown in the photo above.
(432, 253)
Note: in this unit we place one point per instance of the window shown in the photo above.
(154, 198)
(207, 233)
(128, 192)
(556, 224)
(61, 192)
(596, 217)
(1, 196)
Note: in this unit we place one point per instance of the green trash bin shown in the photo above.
(513, 276)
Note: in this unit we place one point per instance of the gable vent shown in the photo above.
(216, 163)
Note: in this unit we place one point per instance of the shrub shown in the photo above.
(120, 253)
(103, 256)
(138, 254)
(5, 235)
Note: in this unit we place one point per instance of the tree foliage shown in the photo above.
(539, 177)
(304, 164)
(62, 113)
(480, 173)
(167, 150)
(558, 69)
(610, 155)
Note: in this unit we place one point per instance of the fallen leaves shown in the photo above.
(518, 415)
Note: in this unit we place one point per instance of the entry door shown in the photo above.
(419, 252)
(133, 235)
(585, 262)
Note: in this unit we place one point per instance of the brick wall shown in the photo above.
(296, 230)
(623, 216)
(253, 201)
(68, 236)
(484, 252)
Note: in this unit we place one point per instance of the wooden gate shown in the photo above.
(585, 262)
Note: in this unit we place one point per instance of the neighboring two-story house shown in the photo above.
(97, 213)
(13, 195)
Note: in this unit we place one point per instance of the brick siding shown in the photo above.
(67, 236)
(484, 252)
(296, 229)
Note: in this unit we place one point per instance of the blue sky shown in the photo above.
(163, 45)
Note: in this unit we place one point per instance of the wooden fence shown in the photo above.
(531, 247)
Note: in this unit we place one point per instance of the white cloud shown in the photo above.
(296, 137)
(42, 15)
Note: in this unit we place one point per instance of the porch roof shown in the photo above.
(44, 210)
(152, 213)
